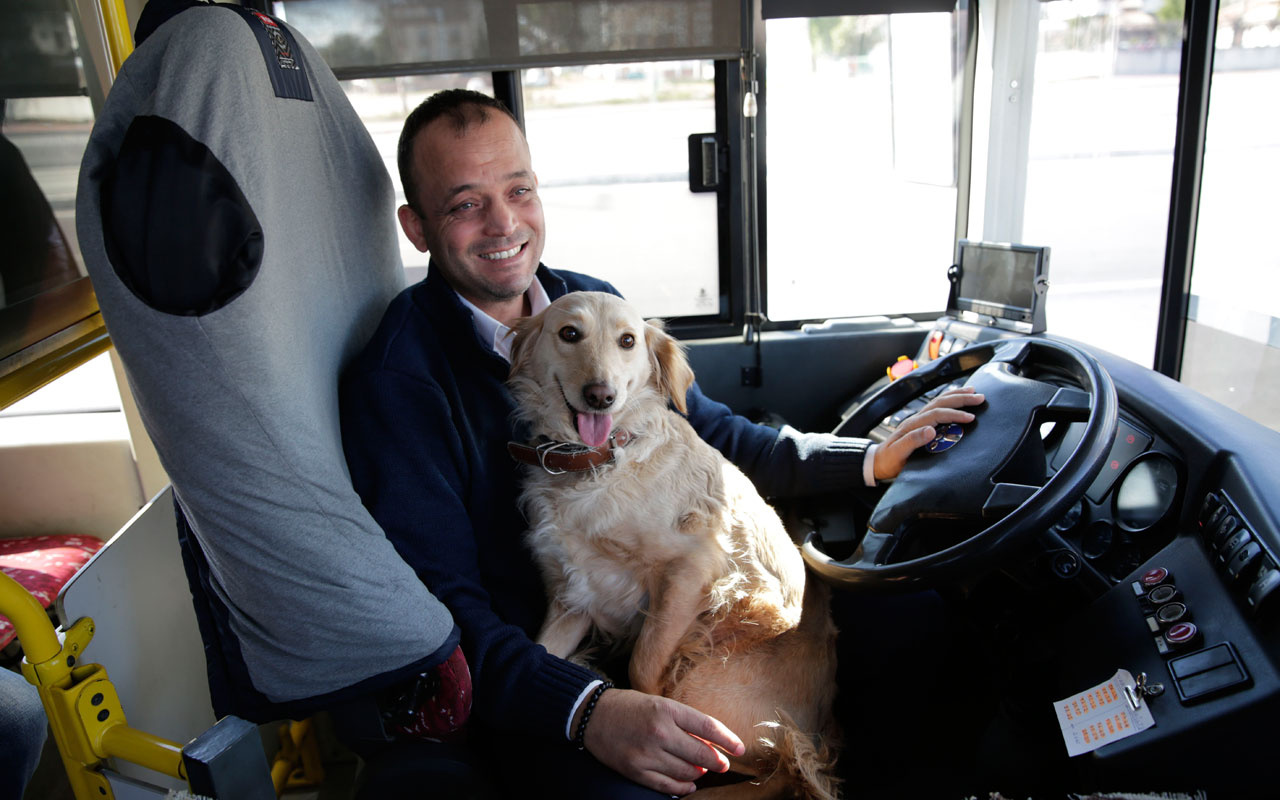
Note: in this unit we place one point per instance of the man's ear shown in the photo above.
(411, 224)
(671, 368)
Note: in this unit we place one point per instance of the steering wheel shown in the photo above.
(992, 468)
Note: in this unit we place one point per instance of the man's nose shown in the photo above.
(501, 220)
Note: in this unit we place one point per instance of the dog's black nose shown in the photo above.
(598, 395)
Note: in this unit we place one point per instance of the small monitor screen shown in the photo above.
(1002, 281)
(998, 275)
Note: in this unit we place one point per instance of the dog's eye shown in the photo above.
(570, 333)
(627, 341)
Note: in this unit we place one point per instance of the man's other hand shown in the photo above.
(657, 742)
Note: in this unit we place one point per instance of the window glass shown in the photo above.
(41, 144)
(482, 34)
(1232, 350)
(45, 119)
(383, 104)
(88, 389)
(860, 145)
(1100, 167)
(610, 148)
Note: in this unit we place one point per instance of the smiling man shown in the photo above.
(426, 419)
(474, 205)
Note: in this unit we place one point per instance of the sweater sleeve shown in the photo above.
(408, 464)
(781, 463)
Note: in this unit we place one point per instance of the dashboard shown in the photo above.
(1172, 556)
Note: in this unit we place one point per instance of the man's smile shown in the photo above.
(502, 254)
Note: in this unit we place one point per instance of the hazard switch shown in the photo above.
(900, 367)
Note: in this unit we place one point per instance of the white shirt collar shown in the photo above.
(494, 333)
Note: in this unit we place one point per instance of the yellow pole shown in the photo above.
(29, 619)
(138, 747)
(115, 22)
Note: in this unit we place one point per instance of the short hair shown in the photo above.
(462, 107)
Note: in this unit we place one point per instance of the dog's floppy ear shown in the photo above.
(524, 332)
(670, 366)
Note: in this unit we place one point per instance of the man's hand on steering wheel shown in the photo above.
(920, 428)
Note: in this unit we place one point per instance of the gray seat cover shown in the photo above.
(241, 401)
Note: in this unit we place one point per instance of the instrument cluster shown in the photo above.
(1127, 514)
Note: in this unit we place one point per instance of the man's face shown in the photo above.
(481, 218)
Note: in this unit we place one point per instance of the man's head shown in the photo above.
(471, 195)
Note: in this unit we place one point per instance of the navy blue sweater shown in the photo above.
(426, 416)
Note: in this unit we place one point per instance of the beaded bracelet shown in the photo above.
(580, 739)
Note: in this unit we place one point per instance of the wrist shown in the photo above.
(869, 465)
(583, 716)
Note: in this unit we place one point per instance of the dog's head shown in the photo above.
(589, 363)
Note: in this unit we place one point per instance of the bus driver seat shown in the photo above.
(238, 225)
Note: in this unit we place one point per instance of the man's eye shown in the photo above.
(570, 333)
(467, 206)
(627, 341)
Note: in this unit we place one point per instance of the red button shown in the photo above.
(901, 367)
(1182, 632)
(1155, 577)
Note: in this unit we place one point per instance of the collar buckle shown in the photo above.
(569, 450)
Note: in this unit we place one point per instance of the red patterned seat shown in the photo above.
(43, 565)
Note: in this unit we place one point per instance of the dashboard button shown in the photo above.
(1232, 545)
(1242, 559)
(1190, 664)
(1210, 508)
(1265, 587)
(1225, 527)
(1208, 672)
(1163, 593)
(1171, 614)
(1154, 577)
(1182, 634)
(935, 344)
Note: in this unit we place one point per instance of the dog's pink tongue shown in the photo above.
(594, 428)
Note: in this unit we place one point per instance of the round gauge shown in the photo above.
(1096, 540)
(1146, 492)
(1071, 518)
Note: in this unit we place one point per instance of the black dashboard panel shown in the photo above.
(1190, 500)
(1216, 547)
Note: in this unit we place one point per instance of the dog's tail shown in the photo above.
(805, 760)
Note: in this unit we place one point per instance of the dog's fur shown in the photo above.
(670, 549)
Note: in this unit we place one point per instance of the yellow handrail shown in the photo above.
(115, 22)
(30, 620)
(80, 701)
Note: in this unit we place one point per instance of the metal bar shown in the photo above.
(968, 17)
(144, 749)
(115, 23)
(1196, 74)
(29, 619)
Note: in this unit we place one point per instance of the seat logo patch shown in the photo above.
(284, 53)
(281, 57)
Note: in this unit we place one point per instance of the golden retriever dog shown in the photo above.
(668, 548)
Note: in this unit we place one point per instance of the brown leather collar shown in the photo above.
(557, 458)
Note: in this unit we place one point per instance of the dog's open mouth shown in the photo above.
(593, 429)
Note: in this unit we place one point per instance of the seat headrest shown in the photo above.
(238, 224)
